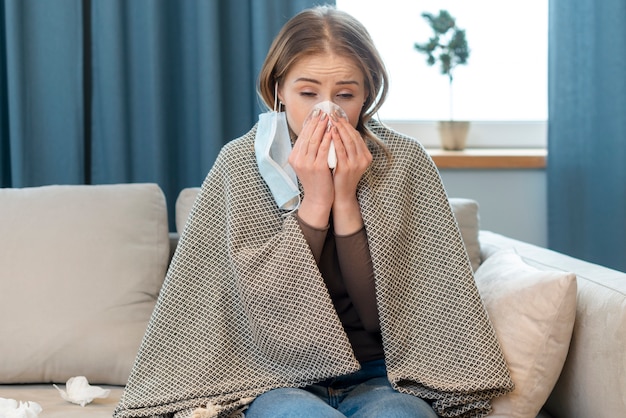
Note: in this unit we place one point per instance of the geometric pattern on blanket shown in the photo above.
(244, 308)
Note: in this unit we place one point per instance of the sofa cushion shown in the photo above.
(465, 212)
(55, 407)
(533, 314)
(81, 269)
(184, 203)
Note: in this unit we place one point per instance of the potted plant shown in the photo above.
(448, 46)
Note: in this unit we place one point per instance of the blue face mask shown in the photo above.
(272, 146)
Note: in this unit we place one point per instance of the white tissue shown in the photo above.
(9, 408)
(328, 107)
(332, 156)
(79, 391)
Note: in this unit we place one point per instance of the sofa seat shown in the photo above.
(56, 407)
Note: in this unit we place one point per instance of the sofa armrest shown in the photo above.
(593, 377)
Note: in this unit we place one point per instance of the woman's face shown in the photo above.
(317, 78)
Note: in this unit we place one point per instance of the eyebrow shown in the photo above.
(312, 80)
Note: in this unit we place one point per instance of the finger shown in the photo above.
(309, 126)
(307, 129)
(350, 137)
(317, 135)
(324, 148)
(340, 156)
(312, 115)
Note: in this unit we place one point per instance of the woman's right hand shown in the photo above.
(309, 160)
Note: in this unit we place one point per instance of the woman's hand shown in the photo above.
(325, 189)
(353, 159)
(309, 160)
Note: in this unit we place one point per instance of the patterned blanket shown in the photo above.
(244, 308)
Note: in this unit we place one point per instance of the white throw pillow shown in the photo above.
(533, 314)
(81, 267)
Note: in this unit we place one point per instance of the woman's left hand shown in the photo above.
(353, 159)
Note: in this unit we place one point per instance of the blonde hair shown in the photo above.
(324, 29)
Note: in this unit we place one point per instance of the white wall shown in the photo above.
(512, 202)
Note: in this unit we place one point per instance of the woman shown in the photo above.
(347, 294)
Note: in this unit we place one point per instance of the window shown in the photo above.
(505, 81)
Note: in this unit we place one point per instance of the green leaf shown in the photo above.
(450, 49)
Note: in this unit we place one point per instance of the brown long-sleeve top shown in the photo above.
(346, 266)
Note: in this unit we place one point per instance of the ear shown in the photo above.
(278, 97)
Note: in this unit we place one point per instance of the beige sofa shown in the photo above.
(81, 268)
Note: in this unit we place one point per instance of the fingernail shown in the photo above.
(323, 116)
(334, 116)
(316, 112)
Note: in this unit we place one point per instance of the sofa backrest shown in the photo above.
(80, 270)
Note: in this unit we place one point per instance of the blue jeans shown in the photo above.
(366, 393)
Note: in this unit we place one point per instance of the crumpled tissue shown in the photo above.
(331, 108)
(79, 391)
(10, 408)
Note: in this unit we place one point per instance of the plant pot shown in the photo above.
(453, 134)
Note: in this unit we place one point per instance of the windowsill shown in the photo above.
(482, 134)
(490, 158)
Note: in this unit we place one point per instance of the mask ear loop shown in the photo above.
(276, 108)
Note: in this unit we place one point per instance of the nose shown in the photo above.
(326, 99)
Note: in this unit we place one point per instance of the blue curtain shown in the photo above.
(41, 101)
(587, 130)
(95, 92)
